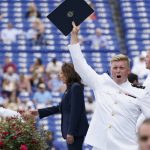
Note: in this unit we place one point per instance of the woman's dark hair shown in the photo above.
(70, 73)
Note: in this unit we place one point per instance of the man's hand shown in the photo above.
(70, 139)
(74, 34)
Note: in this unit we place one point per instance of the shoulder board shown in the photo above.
(138, 86)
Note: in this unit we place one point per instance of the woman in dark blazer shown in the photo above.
(74, 122)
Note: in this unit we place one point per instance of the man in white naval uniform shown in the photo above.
(146, 84)
(118, 104)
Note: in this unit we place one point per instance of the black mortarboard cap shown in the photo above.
(68, 11)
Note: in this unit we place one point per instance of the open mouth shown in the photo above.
(118, 76)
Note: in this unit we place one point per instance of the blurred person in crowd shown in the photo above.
(35, 80)
(98, 40)
(8, 87)
(42, 97)
(90, 105)
(53, 67)
(118, 103)
(139, 67)
(13, 101)
(9, 34)
(144, 135)
(133, 78)
(55, 84)
(32, 12)
(10, 81)
(8, 63)
(25, 103)
(37, 71)
(11, 75)
(25, 90)
(36, 33)
(74, 123)
(37, 67)
(24, 84)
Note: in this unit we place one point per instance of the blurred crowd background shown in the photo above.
(32, 51)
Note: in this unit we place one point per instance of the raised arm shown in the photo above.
(88, 75)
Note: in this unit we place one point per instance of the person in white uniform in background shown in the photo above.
(147, 81)
(118, 104)
(146, 84)
(6, 113)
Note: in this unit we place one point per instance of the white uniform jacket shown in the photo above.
(147, 90)
(113, 125)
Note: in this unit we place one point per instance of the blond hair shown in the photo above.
(120, 57)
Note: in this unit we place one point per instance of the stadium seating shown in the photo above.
(136, 25)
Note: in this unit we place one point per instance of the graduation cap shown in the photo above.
(69, 11)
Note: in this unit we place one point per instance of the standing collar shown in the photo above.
(125, 84)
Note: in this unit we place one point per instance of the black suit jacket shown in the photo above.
(72, 109)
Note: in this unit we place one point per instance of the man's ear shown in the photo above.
(129, 71)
